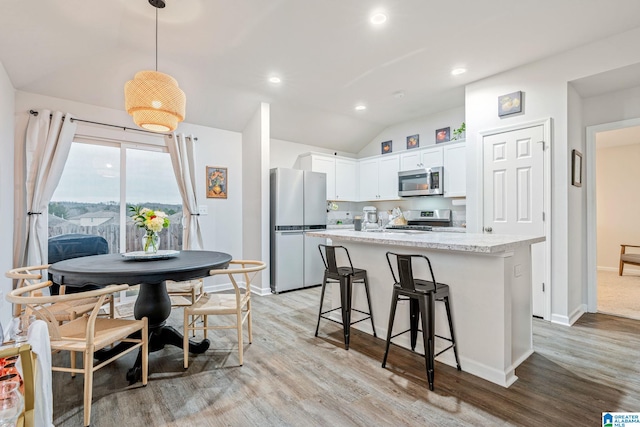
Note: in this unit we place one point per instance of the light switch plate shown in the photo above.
(517, 270)
(203, 209)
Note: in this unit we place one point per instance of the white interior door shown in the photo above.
(514, 195)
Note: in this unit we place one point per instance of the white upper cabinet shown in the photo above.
(341, 175)
(346, 183)
(388, 178)
(368, 179)
(421, 159)
(455, 170)
(432, 157)
(379, 178)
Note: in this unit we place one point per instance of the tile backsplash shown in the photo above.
(347, 210)
(340, 217)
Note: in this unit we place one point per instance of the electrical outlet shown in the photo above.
(203, 210)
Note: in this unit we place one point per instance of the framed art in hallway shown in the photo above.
(216, 182)
(510, 103)
(576, 168)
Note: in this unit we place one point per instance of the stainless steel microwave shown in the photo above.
(421, 182)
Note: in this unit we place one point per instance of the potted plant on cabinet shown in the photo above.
(459, 133)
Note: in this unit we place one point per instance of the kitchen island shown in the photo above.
(490, 284)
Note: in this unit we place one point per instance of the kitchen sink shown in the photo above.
(384, 230)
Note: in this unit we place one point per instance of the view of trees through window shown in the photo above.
(89, 200)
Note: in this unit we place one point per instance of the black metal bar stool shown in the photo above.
(346, 276)
(422, 295)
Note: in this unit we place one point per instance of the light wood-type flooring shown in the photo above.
(291, 378)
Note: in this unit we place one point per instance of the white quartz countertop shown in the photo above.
(465, 242)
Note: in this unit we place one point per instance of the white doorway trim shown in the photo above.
(592, 232)
(546, 125)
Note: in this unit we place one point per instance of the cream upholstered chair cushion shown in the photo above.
(85, 334)
(184, 293)
(236, 304)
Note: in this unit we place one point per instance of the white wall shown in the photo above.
(611, 107)
(255, 188)
(7, 108)
(618, 207)
(424, 126)
(222, 229)
(577, 242)
(546, 95)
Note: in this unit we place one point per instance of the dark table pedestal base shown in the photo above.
(153, 303)
(160, 337)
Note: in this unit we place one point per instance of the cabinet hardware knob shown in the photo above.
(488, 229)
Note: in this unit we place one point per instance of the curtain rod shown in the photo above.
(35, 113)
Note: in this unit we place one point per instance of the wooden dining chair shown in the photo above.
(236, 304)
(27, 360)
(185, 293)
(63, 311)
(86, 334)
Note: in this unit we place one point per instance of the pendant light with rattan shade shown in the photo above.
(154, 99)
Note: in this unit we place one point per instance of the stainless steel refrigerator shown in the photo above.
(298, 205)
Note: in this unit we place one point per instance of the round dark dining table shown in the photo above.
(153, 301)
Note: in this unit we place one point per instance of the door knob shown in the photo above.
(488, 229)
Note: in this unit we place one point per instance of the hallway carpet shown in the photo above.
(619, 295)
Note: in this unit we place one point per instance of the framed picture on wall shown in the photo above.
(510, 103)
(443, 135)
(413, 141)
(576, 168)
(216, 182)
(386, 147)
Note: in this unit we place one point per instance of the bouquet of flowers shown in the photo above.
(152, 222)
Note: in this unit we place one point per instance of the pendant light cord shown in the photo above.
(156, 39)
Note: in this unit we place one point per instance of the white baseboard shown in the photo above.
(627, 269)
(228, 286)
(571, 318)
(263, 292)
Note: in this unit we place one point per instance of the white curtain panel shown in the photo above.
(47, 144)
(181, 150)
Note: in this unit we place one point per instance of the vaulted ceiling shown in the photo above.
(327, 53)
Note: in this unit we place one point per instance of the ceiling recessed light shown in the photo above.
(378, 18)
(275, 80)
(458, 71)
(360, 107)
